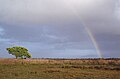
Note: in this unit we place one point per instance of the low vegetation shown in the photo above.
(60, 68)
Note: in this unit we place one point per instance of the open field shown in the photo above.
(59, 68)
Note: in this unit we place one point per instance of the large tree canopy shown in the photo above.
(18, 51)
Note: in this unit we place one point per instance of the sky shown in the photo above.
(56, 28)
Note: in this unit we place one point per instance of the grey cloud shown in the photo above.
(1, 31)
(118, 9)
(54, 11)
(60, 24)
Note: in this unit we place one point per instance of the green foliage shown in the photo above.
(18, 51)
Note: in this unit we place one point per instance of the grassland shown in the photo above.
(59, 68)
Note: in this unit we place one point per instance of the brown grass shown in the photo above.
(59, 68)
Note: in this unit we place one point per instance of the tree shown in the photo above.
(18, 51)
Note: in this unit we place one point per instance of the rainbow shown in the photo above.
(94, 42)
(90, 34)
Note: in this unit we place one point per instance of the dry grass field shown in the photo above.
(59, 68)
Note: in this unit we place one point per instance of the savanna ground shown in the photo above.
(59, 68)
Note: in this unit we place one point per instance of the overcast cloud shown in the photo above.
(55, 28)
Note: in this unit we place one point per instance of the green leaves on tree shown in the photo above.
(18, 51)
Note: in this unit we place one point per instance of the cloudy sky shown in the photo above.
(56, 28)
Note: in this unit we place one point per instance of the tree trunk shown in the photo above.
(16, 57)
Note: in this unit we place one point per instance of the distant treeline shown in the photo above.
(79, 58)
